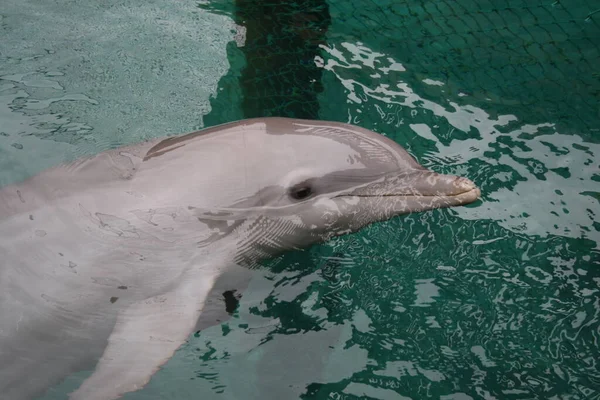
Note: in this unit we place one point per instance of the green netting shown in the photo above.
(539, 54)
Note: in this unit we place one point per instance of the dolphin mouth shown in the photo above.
(475, 193)
(464, 188)
(420, 190)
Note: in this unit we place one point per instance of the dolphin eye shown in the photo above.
(301, 192)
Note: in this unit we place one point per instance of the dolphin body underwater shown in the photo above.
(109, 263)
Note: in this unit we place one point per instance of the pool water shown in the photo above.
(496, 300)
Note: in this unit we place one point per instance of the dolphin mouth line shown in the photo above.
(474, 190)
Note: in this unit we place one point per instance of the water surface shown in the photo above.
(498, 300)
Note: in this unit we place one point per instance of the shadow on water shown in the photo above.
(273, 72)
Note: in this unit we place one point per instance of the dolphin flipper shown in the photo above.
(146, 335)
(232, 283)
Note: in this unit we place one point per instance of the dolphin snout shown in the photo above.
(428, 183)
(459, 189)
(464, 184)
(429, 189)
(447, 185)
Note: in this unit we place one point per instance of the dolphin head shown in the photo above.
(353, 177)
(300, 182)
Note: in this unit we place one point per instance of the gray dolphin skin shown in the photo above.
(108, 264)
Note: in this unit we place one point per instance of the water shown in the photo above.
(499, 300)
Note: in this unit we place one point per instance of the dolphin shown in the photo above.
(109, 263)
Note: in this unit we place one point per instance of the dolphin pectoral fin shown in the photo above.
(145, 336)
(225, 293)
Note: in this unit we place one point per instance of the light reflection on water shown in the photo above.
(102, 75)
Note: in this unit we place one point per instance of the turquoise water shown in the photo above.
(498, 300)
